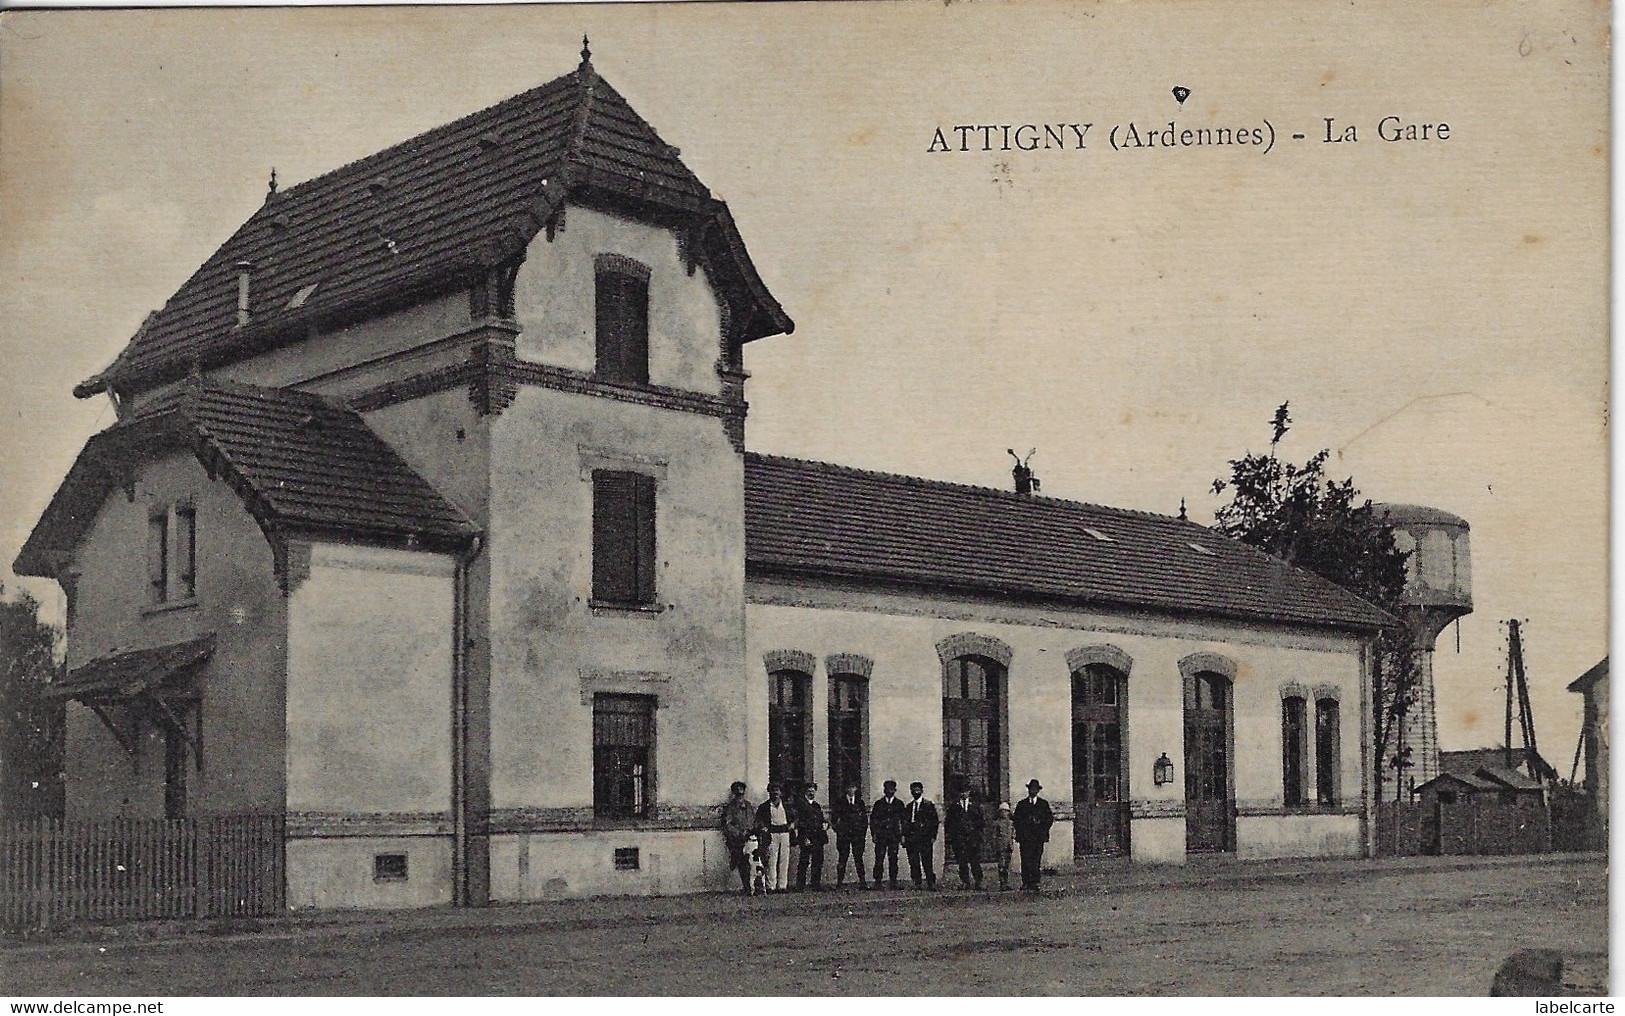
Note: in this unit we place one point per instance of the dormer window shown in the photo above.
(622, 314)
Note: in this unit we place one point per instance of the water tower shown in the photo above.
(1438, 590)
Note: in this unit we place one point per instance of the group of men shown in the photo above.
(769, 830)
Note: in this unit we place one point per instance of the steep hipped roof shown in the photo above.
(429, 216)
(814, 520)
(300, 463)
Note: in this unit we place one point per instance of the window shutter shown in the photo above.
(622, 321)
(158, 556)
(614, 547)
(644, 508)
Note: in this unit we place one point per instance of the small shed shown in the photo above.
(1493, 810)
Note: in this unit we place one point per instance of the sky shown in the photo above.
(1435, 311)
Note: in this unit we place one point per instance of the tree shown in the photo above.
(31, 727)
(1322, 525)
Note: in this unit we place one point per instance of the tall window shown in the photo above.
(849, 694)
(623, 537)
(622, 314)
(172, 553)
(1326, 757)
(623, 729)
(972, 698)
(789, 729)
(1097, 761)
(1294, 750)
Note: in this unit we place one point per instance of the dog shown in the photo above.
(753, 857)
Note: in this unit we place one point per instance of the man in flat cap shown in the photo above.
(1032, 821)
(886, 829)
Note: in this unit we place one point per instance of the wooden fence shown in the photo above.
(1475, 825)
(53, 872)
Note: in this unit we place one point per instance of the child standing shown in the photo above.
(1002, 835)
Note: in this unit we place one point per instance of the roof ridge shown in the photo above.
(995, 492)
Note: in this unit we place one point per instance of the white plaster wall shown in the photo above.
(237, 600)
(369, 682)
(1306, 835)
(550, 649)
(1157, 841)
(900, 634)
(542, 866)
(555, 291)
(337, 873)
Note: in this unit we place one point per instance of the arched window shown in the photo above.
(789, 729)
(1099, 776)
(1294, 750)
(1327, 762)
(848, 711)
(972, 728)
(1209, 803)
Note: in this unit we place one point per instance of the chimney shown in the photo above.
(244, 268)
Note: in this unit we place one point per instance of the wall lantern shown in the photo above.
(1162, 772)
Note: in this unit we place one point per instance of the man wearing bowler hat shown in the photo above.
(1032, 821)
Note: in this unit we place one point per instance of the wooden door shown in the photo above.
(1099, 777)
(1209, 799)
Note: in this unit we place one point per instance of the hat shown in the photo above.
(1034, 785)
(891, 784)
(1004, 805)
(810, 788)
(916, 783)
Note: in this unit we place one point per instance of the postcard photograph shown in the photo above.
(790, 499)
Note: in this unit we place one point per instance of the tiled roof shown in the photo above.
(300, 463)
(427, 217)
(814, 520)
(1471, 760)
(1512, 779)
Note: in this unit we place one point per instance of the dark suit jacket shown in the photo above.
(919, 824)
(964, 826)
(886, 820)
(810, 829)
(764, 815)
(850, 821)
(1033, 820)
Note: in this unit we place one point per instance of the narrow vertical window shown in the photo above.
(622, 755)
(185, 551)
(623, 537)
(849, 695)
(622, 318)
(789, 730)
(1294, 750)
(158, 556)
(1327, 735)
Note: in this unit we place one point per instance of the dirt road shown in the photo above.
(1402, 931)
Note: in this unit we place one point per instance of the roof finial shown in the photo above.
(586, 52)
(270, 189)
(1182, 510)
